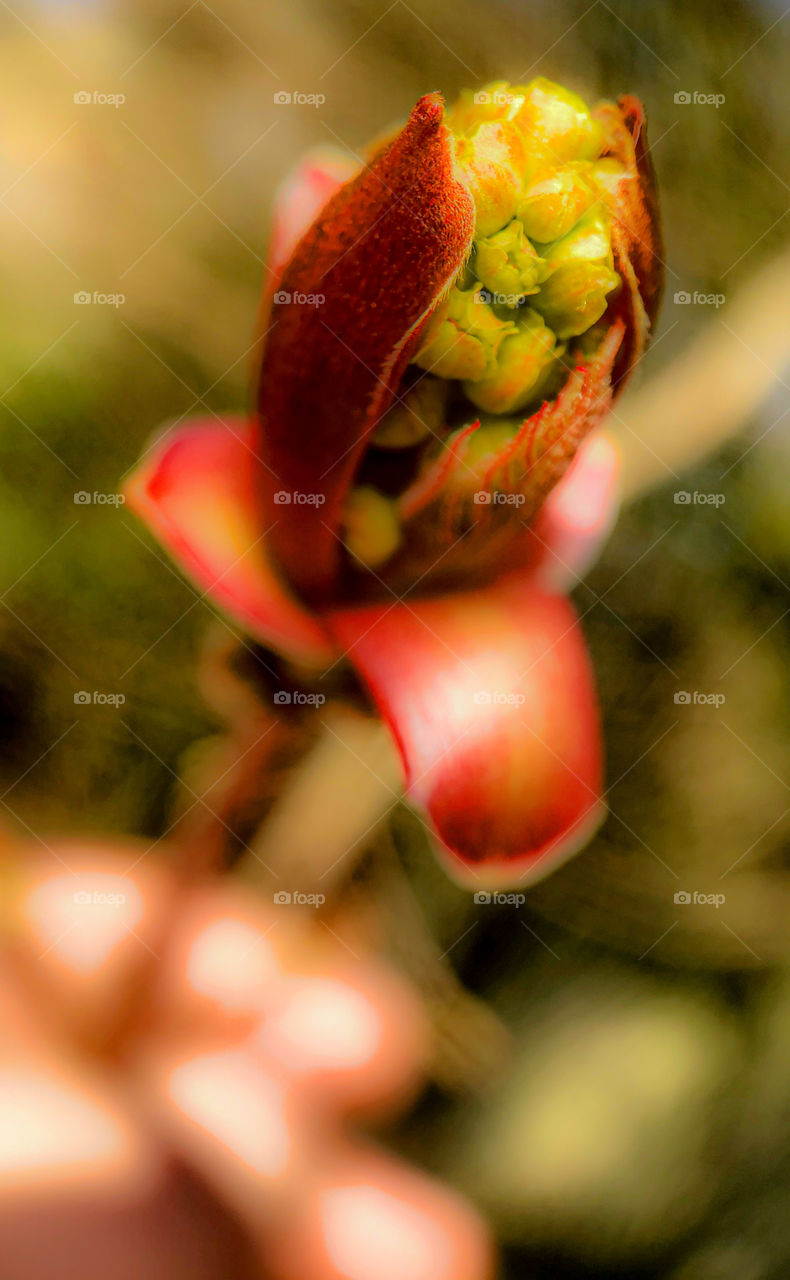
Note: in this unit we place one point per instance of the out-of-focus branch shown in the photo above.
(677, 417)
(330, 806)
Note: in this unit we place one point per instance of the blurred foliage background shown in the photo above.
(640, 1122)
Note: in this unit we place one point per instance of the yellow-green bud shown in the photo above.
(588, 241)
(523, 363)
(495, 101)
(582, 275)
(555, 200)
(559, 125)
(491, 163)
(463, 337)
(577, 296)
(508, 265)
(372, 528)
(544, 198)
(420, 413)
(480, 450)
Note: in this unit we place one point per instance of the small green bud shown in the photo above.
(463, 337)
(555, 200)
(480, 450)
(588, 241)
(491, 163)
(372, 528)
(523, 363)
(495, 101)
(559, 125)
(576, 296)
(420, 413)
(582, 274)
(508, 265)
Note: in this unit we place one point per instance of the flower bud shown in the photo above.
(480, 451)
(495, 101)
(463, 337)
(555, 200)
(418, 414)
(491, 163)
(523, 363)
(371, 526)
(559, 123)
(508, 264)
(582, 275)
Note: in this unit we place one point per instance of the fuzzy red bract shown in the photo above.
(379, 256)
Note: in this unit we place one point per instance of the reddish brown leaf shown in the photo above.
(380, 254)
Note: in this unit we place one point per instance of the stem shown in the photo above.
(330, 807)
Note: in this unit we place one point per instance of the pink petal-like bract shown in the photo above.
(196, 488)
(490, 697)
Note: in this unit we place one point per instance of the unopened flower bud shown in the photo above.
(575, 297)
(491, 163)
(463, 337)
(555, 200)
(420, 413)
(509, 265)
(481, 449)
(495, 101)
(559, 123)
(523, 364)
(582, 275)
(371, 526)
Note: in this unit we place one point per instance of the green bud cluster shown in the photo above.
(541, 269)
(537, 281)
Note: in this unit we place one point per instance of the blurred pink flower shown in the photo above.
(178, 1073)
